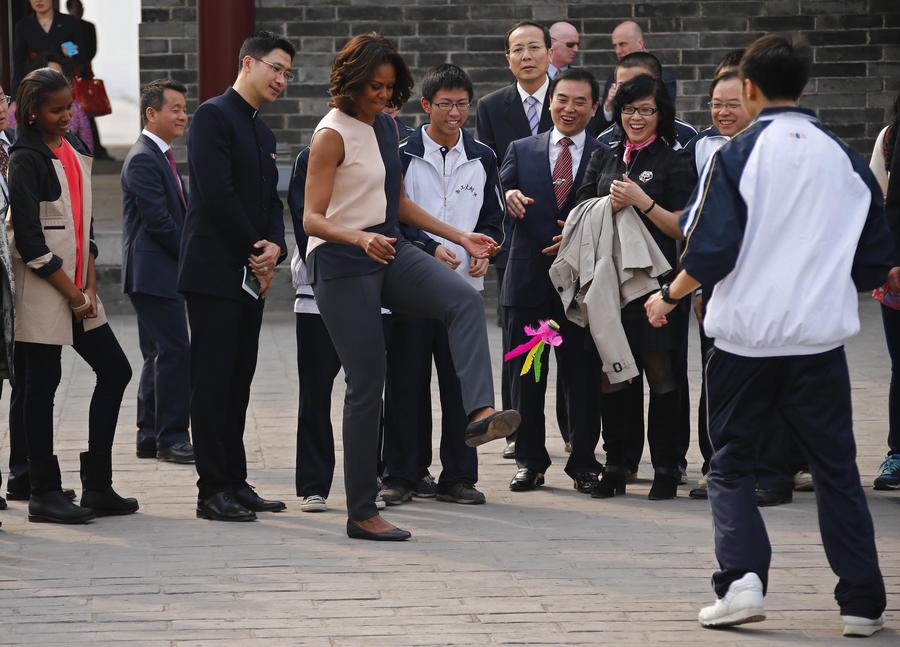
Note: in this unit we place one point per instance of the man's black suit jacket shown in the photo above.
(233, 199)
(152, 220)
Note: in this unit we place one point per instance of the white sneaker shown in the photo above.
(742, 604)
(803, 482)
(314, 503)
(859, 626)
(379, 502)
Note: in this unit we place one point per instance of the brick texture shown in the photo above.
(855, 77)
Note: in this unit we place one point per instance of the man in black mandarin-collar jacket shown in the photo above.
(234, 229)
(153, 212)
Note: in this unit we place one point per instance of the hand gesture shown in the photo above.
(265, 282)
(446, 257)
(377, 247)
(478, 267)
(657, 309)
(516, 201)
(608, 105)
(626, 192)
(479, 245)
(91, 293)
(264, 263)
(553, 250)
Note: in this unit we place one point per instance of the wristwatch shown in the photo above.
(664, 293)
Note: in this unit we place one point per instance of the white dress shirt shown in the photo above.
(576, 148)
(163, 146)
(540, 94)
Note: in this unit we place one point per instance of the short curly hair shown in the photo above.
(355, 65)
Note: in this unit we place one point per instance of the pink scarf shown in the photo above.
(630, 148)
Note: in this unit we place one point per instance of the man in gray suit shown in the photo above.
(153, 210)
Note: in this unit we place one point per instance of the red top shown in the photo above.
(66, 154)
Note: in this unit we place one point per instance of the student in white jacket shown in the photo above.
(786, 225)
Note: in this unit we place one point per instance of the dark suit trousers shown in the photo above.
(163, 406)
(407, 439)
(413, 283)
(528, 395)
(317, 366)
(224, 342)
(812, 394)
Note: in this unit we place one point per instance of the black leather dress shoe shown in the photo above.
(765, 498)
(16, 495)
(146, 448)
(499, 424)
(248, 498)
(526, 479)
(355, 531)
(2, 503)
(586, 481)
(108, 503)
(221, 506)
(510, 450)
(182, 453)
(55, 507)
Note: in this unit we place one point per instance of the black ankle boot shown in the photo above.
(611, 483)
(665, 486)
(47, 502)
(97, 493)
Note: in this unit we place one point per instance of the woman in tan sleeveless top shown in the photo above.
(358, 263)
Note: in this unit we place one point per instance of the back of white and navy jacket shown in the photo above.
(470, 198)
(787, 223)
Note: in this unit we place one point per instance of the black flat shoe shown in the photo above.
(584, 482)
(248, 498)
(665, 486)
(612, 483)
(766, 498)
(526, 479)
(55, 507)
(499, 424)
(108, 503)
(355, 531)
(221, 506)
(182, 453)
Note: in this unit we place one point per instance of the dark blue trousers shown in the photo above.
(812, 394)
(891, 320)
(163, 403)
(407, 436)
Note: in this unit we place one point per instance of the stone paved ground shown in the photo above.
(550, 568)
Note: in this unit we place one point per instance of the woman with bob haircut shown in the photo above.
(644, 172)
(358, 262)
(50, 227)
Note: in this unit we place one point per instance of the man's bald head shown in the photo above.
(627, 37)
(565, 44)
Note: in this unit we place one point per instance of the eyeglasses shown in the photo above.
(643, 111)
(731, 105)
(532, 49)
(5, 98)
(447, 106)
(571, 44)
(278, 69)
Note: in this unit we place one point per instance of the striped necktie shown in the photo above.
(532, 114)
(562, 173)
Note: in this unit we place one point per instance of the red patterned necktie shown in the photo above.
(562, 173)
(4, 162)
(171, 158)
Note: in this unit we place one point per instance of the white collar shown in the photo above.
(5, 139)
(540, 94)
(163, 146)
(577, 140)
(432, 146)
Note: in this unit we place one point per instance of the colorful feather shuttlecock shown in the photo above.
(546, 333)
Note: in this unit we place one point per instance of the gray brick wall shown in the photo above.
(856, 74)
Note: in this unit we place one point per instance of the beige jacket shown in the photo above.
(43, 315)
(604, 263)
